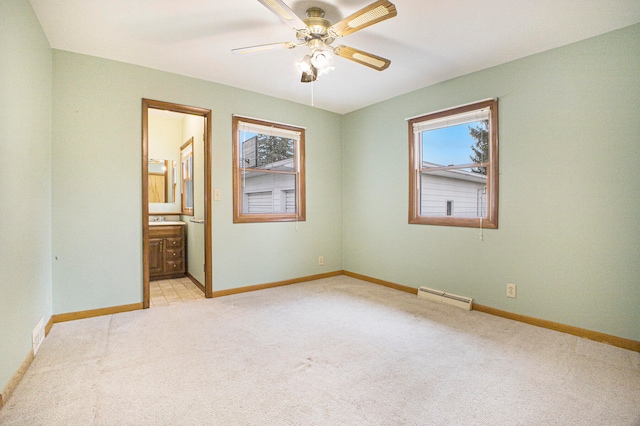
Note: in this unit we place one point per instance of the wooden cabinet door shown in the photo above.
(156, 258)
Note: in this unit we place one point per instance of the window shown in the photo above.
(453, 175)
(449, 207)
(186, 159)
(268, 171)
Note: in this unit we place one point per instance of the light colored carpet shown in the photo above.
(336, 351)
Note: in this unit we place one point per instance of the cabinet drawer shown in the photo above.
(174, 243)
(174, 254)
(175, 266)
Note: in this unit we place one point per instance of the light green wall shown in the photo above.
(569, 189)
(97, 226)
(25, 182)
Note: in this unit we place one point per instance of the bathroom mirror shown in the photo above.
(162, 181)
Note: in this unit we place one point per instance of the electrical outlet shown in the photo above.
(321, 260)
(511, 290)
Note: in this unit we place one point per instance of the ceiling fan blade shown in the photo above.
(263, 48)
(285, 13)
(368, 59)
(372, 14)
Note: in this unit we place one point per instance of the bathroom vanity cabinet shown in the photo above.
(166, 251)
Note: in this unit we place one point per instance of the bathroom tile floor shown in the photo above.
(176, 290)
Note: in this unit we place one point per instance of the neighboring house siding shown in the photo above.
(469, 198)
(260, 202)
(291, 200)
(249, 153)
(269, 193)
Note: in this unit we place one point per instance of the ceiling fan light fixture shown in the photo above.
(318, 34)
(305, 65)
(309, 76)
(320, 59)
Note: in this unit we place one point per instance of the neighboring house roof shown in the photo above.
(459, 174)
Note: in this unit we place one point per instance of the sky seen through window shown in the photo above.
(448, 145)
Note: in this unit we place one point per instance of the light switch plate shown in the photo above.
(511, 290)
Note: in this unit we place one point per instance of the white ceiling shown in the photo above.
(428, 42)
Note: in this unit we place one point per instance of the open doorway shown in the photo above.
(176, 188)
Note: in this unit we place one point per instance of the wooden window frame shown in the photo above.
(490, 221)
(299, 172)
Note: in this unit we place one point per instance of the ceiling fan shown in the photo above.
(319, 34)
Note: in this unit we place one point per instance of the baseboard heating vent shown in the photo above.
(448, 298)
